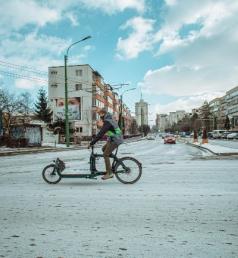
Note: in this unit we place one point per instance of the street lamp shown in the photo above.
(66, 89)
(120, 115)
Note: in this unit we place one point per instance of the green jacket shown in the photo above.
(114, 136)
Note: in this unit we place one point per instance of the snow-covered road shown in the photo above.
(226, 143)
(183, 206)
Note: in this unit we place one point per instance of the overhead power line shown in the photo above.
(17, 69)
(15, 75)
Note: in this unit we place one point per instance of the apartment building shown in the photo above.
(141, 109)
(174, 117)
(231, 99)
(180, 114)
(162, 122)
(222, 113)
(127, 119)
(215, 106)
(87, 93)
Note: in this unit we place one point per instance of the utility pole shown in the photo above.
(66, 101)
(66, 90)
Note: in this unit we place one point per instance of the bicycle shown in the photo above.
(127, 170)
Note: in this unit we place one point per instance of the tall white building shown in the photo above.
(141, 109)
(180, 114)
(174, 117)
(162, 122)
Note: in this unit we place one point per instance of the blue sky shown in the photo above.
(178, 52)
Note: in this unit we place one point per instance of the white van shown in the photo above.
(217, 134)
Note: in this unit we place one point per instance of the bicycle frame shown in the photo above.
(94, 156)
(92, 160)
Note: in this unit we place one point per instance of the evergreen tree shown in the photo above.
(227, 123)
(41, 108)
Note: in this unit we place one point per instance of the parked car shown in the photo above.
(169, 138)
(217, 134)
(150, 137)
(210, 135)
(224, 135)
(232, 136)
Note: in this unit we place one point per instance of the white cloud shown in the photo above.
(170, 2)
(17, 14)
(186, 103)
(185, 81)
(214, 17)
(204, 58)
(26, 84)
(138, 41)
(73, 18)
(112, 6)
(39, 51)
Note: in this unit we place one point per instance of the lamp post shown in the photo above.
(66, 89)
(120, 116)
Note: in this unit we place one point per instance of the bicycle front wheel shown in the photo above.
(50, 174)
(128, 170)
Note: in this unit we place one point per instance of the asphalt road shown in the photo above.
(185, 205)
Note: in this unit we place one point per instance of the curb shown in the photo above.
(214, 153)
(23, 152)
(201, 148)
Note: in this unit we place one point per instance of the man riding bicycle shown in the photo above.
(114, 139)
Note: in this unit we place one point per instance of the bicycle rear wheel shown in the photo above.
(50, 174)
(128, 170)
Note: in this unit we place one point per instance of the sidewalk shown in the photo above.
(51, 147)
(19, 151)
(214, 149)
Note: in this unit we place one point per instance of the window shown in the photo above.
(94, 103)
(54, 85)
(80, 129)
(53, 72)
(78, 86)
(79, 72)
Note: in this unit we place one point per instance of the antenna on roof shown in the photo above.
(141, 93)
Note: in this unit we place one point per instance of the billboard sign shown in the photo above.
(74, 109)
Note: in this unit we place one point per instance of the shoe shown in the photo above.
(95, 171)
(107, 176)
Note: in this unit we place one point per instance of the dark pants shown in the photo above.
(107, 149)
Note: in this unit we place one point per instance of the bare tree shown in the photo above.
(26, 104)
(9, 104)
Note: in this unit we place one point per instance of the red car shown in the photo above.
(169, 138)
